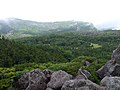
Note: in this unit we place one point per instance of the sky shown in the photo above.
(95, 11)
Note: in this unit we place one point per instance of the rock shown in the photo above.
(83, 74)
(81, 84)
(58, 78)
(115, 70)
(87, 73)
(86, 63)
(23, 82)
(49, 89)
(111, 83)
(104, 70)
(112, 67)
(116, 55)
(34, 80)
(48, 74)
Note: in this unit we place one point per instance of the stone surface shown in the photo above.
(81, 84)
(86, 63)
(83, 74)
(34, 80)
(48, 74)
(58, 78)
(112, 67)
(49, 89)
(111, 83)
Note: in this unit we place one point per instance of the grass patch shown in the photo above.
(95, 45)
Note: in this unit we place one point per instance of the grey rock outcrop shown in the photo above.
(83, 74)
(86, 63)
(34, 80)
(57, 79)
(49, 89)
(81, 84)
(48, 74)
(111, 83)
(112, 67)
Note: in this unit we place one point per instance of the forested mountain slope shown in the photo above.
(58, 51)
(58, 47)
(17, 28)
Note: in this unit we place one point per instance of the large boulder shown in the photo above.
(111, 83)
(104, 70)
(34, 80)
(81, 84)
(57, 79)
(116, 55)
(112, 67)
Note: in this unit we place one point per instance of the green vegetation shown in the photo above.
(6, 77)
(95, 45)
(65, 51)
(16, 28)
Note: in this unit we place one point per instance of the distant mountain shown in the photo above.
(17, 28)
(4, 28)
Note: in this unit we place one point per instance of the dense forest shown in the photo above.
(56, 51)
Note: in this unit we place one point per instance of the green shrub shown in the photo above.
(6, 77)
(86, 58)
(10, 75)
(92, 69)
(70, 67)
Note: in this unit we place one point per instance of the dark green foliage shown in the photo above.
(71, 67)
(79, 44)
(85, 58)
(6, 77)
(16, 53)
(95, 65)
(63, 51)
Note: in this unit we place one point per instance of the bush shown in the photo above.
(86, 58)
(70, 67)
(6, 77)
(92, 69)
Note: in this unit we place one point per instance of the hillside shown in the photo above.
(17, 28)
(65, 51)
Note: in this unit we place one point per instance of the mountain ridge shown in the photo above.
(25, 28)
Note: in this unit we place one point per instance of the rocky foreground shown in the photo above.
(60, 80)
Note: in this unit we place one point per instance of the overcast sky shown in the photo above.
(95, 11)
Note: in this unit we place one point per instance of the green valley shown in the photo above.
(66, 50)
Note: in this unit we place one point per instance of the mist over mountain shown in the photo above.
(17, 28)
(113, 24)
